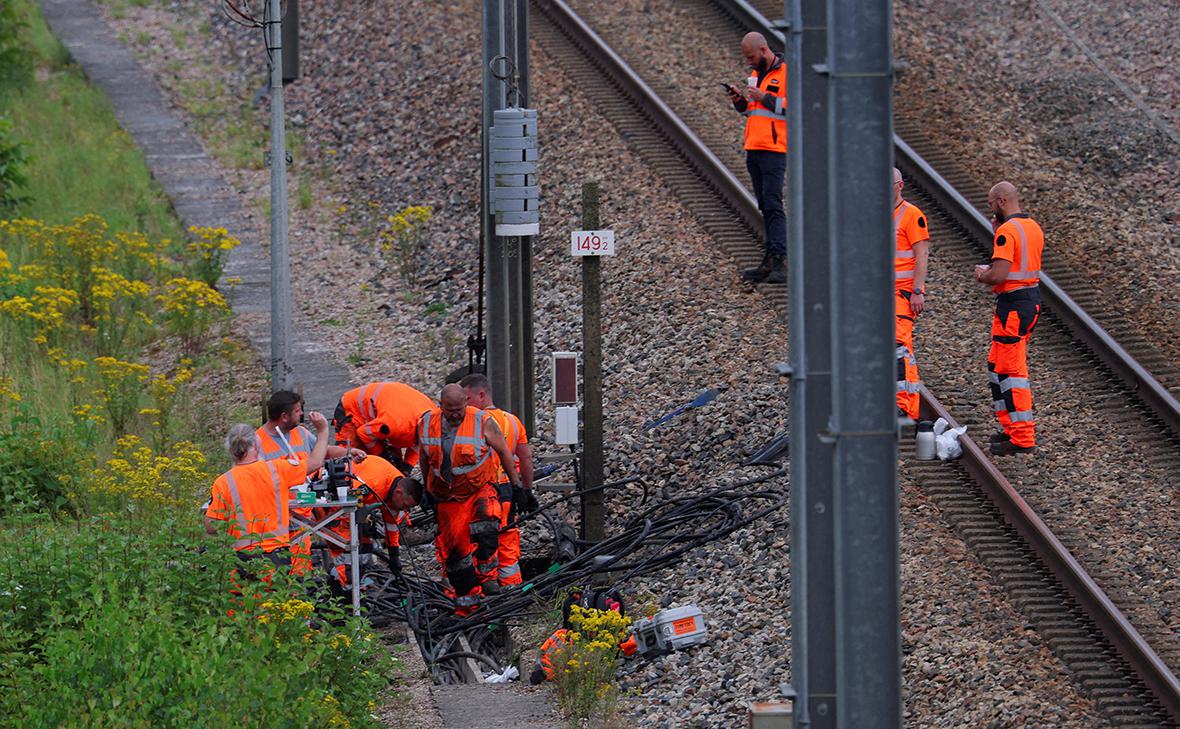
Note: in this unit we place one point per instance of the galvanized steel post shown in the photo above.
(494, 96)
(509, 258)
(864, 411)
(280, 265)
(813, 627)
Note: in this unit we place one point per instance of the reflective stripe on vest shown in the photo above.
(482, 450)
(901, 275)
(766, 113)
(371, 401)
(509, 571)
(1024, 273)
(236, 498)
(278, 451)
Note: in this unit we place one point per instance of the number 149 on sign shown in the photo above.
(592, 243)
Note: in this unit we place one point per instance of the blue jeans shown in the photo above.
(767, 171)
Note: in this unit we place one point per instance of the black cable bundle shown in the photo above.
(653, 538)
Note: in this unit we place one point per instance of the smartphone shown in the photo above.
(729, 87)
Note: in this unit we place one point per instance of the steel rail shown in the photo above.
(649, 102)
(1141, 657)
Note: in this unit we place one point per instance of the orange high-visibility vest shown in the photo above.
(766, 123)
(255, 500)
(909, 225)
(1019, 240)
(514, 435)
(386, 412)
(298, 440)
(473, 462)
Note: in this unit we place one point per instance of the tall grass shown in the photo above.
(81, 161)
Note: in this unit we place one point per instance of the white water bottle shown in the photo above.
(924, 447)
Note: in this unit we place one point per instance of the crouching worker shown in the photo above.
(377, 482)
(456, 444)
(253, 497)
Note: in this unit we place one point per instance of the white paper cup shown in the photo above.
(342, 493)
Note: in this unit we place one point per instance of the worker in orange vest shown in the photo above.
(382, 418)
(1014, 275)
(764, 102)
(378, 482)
(479, 395)
(909, 284)
(253, 497)
(282, 436)
(458, 445)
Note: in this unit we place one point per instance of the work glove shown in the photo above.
(395, 561)
(524, 500)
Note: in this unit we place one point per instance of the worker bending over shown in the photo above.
(382, 418)
(512, 501)
(909, 284)
(1014, 275)
(458, 445)
(253, 497)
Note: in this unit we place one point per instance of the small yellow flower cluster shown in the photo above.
(598, 630)
(340, 639)
(281, 612)
(85, 413)
(138, 473)
(182, 295)
(8, 389)
(409, 219)
(46, 310)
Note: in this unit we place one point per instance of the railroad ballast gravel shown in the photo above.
(677, 322)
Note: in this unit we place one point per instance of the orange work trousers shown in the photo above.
(907, 365)
(467, 544)
(1007, 363)
(508, 554)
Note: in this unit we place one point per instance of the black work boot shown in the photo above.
(778, 270)
(1000, 437)
(759, 274)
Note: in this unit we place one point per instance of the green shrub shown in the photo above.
(125, 622)
(14, 54)
(13, 157)
(38, 467)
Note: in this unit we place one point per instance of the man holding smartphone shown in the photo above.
(764, 103)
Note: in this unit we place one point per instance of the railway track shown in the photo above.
(1111, 661)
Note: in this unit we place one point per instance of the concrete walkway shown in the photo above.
(193, 181)
(201, 196)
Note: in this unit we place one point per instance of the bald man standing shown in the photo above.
(1014, 275)
(458, 444)
(763, 101)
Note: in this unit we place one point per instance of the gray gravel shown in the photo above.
(678, 322)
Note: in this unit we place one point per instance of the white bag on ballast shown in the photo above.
(946, 439)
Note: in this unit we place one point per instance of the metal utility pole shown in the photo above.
(864, 412)
(280, 265)
(593, 508)
(813, 592)
(510, 365)
(844, 611)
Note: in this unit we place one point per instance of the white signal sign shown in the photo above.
(592, 243)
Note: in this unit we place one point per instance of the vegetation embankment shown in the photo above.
(118, 372)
